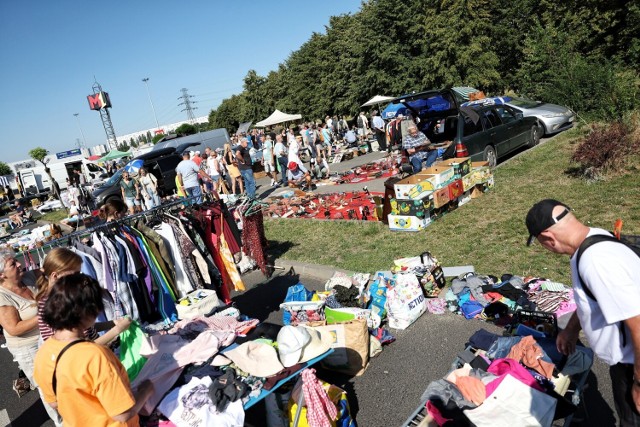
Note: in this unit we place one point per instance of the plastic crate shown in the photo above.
(537, 318)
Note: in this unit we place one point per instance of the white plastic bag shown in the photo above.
(405, 301)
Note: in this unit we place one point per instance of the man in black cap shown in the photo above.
(607, 294)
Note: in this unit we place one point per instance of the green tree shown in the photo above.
(186, 129)
(157, 138)
(148, 137)
(39, 154)
(5, 169)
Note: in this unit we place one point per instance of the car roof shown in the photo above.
(157, 153)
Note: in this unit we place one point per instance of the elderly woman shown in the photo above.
(85, 381)
(18, 316)
(18, 312)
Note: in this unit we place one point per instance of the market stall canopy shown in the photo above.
(94, 157)
(114, 154)
(378, 99)
(278, 117)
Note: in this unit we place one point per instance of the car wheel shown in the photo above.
(535, 136)
(490, 156)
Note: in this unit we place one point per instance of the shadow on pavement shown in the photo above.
(594, 410)
(34, 415)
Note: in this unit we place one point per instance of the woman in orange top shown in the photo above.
(85, 381)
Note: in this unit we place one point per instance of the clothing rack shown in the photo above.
(126, 220)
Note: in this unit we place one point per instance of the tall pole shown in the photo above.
(80, 127)
(146, 80)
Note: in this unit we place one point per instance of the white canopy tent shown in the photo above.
(277, 117)
(377, 100)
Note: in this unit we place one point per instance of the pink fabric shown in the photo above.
(504, 367)
(436, 415)
(216, 323)
(530, 354)
(320, 409)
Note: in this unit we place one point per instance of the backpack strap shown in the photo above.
(54, 380)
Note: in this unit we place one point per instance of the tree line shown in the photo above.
(579, 53)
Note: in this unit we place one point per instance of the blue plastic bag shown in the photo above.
(295, 293)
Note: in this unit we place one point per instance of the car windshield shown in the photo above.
(524, 103)
(114, 179)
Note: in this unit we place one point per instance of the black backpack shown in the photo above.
(632, 242)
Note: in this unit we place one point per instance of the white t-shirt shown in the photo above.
(213, 166)
(293, 152)
(612, 272)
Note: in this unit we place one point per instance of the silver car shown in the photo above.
(553, 118)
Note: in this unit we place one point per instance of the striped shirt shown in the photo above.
(46, 332)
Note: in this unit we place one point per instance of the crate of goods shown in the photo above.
(408, 223)
(461, 166)
(419, 208)
(481, 171)
(441, 197)
(455, 189)
(405, 186)
(468, 181)
(441, 174)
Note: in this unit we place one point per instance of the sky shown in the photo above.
(54, 51)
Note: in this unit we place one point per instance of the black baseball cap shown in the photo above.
(540, 217)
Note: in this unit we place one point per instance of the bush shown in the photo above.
(607, 148)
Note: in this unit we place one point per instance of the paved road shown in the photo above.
(385, 395)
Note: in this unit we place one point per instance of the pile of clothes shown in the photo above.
(490, 298)
(511, 380)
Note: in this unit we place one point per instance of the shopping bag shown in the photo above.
(350, 347)
(337, 395)
(295, 293)
(131, 341)
(301, 312)
(405, 301)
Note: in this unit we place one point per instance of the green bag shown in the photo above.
(130, 343)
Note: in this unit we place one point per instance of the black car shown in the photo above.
(488, 131)
(161, 163)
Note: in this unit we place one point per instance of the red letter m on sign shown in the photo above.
(96, 101)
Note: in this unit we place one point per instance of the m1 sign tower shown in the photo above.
(101, 103)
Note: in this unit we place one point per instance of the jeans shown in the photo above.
(154, 200)
(194, 192)
(282, 161)
(416, 161)
(249, 182)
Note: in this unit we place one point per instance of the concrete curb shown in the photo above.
(320, 272)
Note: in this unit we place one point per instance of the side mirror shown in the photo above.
(519, 116)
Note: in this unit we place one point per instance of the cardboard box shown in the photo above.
(478, 190)
(407, 223)
(403, 187)
(419, 208)
(481, 171)
(441, 174)
(441, 197)
(468, 181)
(461, 166)
(465, 198)
(455, 189)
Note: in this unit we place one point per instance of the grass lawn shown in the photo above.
(54, 216)
(489, 232)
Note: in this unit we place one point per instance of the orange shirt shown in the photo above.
(93, 385)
